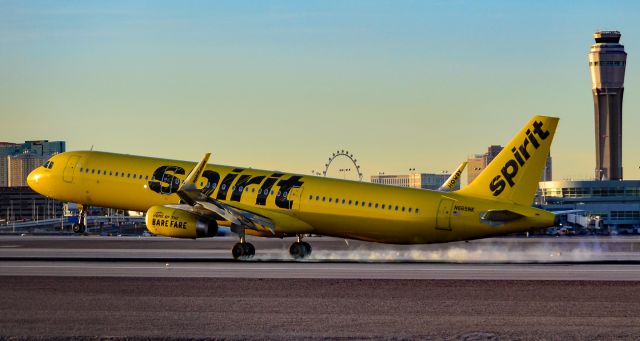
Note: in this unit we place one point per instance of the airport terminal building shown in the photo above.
(608, 206)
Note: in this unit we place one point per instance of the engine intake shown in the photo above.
(179, 223)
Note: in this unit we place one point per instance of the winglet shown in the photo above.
(190, 182)
(451, 182)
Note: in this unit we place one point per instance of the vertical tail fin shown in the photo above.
(514, 174)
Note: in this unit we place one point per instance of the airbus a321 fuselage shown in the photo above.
(188, 200)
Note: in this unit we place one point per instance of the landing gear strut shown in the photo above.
(243, 250)
(81, 226)
(300, 249)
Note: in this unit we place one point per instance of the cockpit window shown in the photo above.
(48, 165)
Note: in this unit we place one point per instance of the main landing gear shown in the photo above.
(300, 249)
(81, 225)
(243, 250)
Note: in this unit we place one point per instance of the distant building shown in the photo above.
(20, 166)
(416, 180)
(4, 171)
(22, 203)
(17, 160)
(44, 148)
(611, 206)
(477, 163)
(607, 63)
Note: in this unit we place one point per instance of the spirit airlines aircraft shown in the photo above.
(188, 200)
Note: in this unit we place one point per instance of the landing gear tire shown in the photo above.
(243, 251)
(299, 250)
(78, 228)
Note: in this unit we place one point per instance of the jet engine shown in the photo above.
(179, 223)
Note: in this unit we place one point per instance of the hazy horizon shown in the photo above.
(283, 84)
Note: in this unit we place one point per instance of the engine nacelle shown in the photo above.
(178, 223)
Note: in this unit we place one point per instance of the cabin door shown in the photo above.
(443, 219)
(69, 169)
(294, 197)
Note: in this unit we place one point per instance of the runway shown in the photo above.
(141, 288)
(325, 249)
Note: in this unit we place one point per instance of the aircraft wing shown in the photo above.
(238, 214)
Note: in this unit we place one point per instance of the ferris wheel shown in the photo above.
(343, 153)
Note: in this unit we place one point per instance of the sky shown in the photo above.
(283, 84)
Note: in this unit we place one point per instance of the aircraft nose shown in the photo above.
(34, 179)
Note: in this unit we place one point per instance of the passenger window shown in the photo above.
(417, 210)
(146, 177)
(246, 189)
(110, 173)
(369, 205)
(93, 171)
(330, 199)
(396, 207)
(128, 175)
(343, 201)
(323, 198)
(403, 209)
(80, 169)
(356, 203)
(122, 175)
(382, 206)
(240, 189)
(409, 209)
(349, 202)
(233, 188)
(317, 197)
(253, 190)
(311, 197)
(272, 192)
(389, 206)
(376, 205)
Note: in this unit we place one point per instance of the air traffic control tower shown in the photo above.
(607, 62)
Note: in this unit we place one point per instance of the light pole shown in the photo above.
(344, 172)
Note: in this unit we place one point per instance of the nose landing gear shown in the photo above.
(81, 225)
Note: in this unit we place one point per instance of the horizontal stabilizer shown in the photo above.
(500, 215)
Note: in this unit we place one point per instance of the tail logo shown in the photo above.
(520, 157)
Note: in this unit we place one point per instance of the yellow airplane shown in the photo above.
(186, 200)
